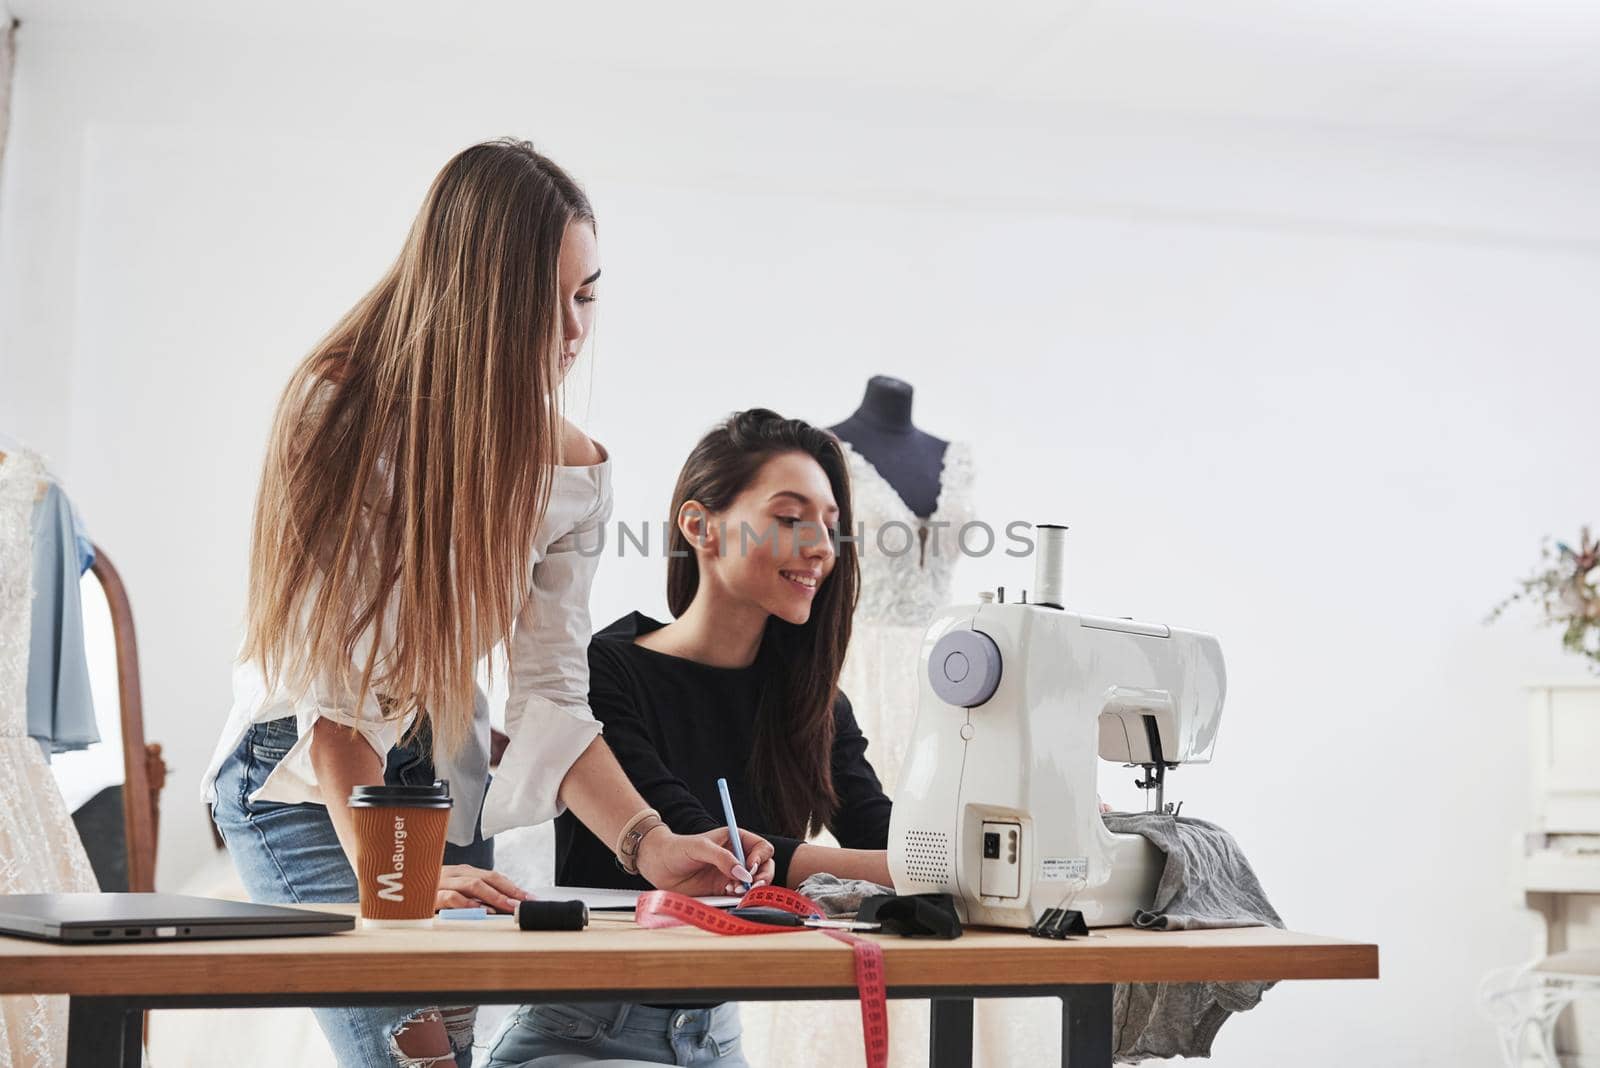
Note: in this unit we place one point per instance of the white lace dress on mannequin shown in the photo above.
(906, 567)
(40, 851)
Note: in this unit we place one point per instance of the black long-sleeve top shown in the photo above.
(677, 726)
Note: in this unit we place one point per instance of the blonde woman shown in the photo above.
(424, 499)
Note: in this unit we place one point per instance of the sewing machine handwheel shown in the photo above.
(964, 668)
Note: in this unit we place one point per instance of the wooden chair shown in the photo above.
(145, 773)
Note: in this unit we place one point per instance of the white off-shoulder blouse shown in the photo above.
(547, 710)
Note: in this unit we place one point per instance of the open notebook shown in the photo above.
(602, 900)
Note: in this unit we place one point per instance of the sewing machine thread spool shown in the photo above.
(1050, 566)
(552, 915)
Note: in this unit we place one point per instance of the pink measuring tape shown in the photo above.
(663, 908)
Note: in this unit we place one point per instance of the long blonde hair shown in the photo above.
(438, 387)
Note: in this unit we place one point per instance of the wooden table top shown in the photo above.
(614, 955)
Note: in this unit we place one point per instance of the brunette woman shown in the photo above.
(742, 685)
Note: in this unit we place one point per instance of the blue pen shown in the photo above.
(733, 826)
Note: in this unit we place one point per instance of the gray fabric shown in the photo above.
(100, 824)
(60, 705)
(840, 897)
(1206, 883)
(467, 772)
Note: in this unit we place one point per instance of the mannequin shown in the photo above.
(42, 851)
(881, 430)
(890, 455)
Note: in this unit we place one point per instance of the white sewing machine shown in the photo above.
(997, 801)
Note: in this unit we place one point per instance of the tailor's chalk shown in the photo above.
(478, 913)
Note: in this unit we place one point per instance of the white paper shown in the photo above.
(602, 900)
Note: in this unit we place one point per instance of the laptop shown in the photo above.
(79, 918)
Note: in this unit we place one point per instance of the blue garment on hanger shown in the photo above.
(80, 540)
(60, 702)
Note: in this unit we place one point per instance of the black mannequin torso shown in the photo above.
(910, 460)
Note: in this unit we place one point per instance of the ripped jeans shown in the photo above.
(289, 854)
(617, 1033)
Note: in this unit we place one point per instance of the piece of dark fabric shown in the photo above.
(913, 915)
(105, 838)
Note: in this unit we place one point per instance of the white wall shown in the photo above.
(1318, 391)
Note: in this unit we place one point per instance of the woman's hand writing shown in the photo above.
(700, 864)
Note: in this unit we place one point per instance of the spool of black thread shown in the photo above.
(552, 915)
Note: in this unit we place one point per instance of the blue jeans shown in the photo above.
(289, 854)
(556, 1036)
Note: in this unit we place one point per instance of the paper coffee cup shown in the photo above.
(399, 850)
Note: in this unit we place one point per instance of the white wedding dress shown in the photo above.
(40, 851)
(907, 564)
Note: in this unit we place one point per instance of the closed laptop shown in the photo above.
(81, 918)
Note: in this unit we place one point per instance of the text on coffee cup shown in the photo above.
(393, 882)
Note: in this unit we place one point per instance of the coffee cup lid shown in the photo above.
(384, 795)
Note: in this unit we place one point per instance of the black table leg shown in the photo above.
(950, 1038)
(104, 1033)
(1086, 1026)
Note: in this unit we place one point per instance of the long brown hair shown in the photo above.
(410, 459)
(793, 749)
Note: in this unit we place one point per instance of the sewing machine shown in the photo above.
(997, 801)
